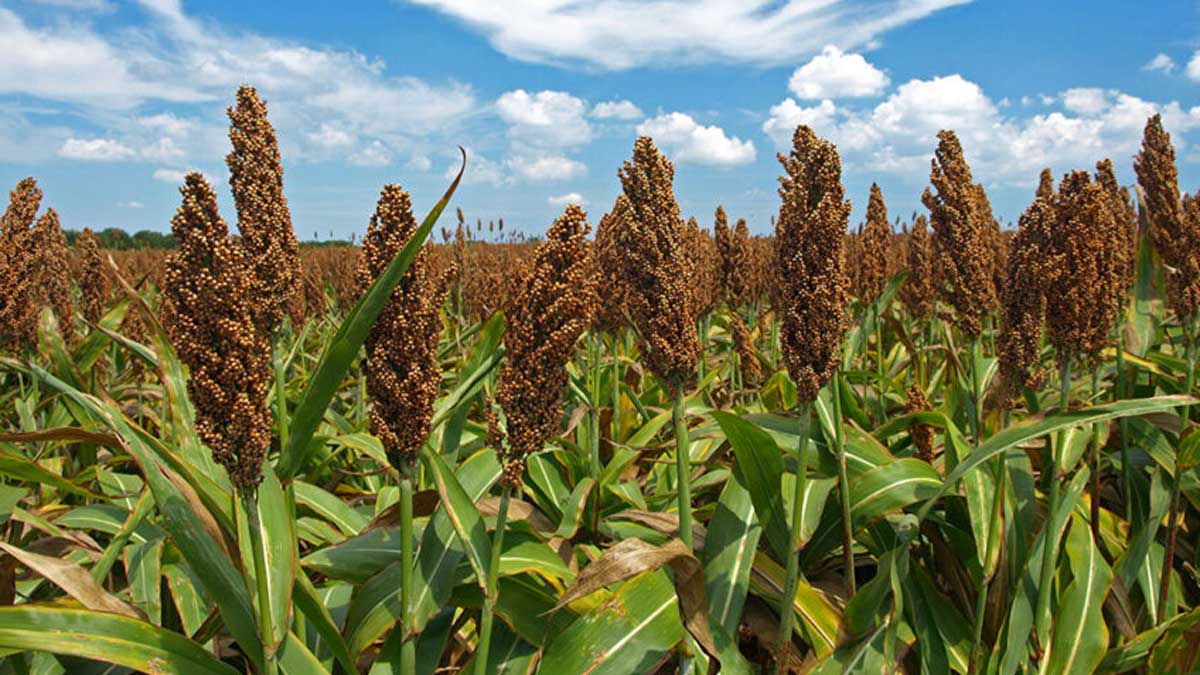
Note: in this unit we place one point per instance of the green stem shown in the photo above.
(996, 521)
(492, 591)
(683, 468)
(616, 393)
(881, 403)
(408, 648)
(1050, 546)
(1095, 462)
(843, 487)
(786, 606)
(594, 415)
(281, 406)
(1177, 483)
(1132, 507)
(250, 504)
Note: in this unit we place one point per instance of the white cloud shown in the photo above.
(95, 150)
(835, 74)
(164, 149)
(171, 58)
(85, 5)
(569, 198)
(618, 34)
(374, 154)
(1193, 67)
(898, 135)
(176, 176)
(330, 136)
(131, 204)
(546, 168)
(544, 119)
(616, 110)
(418, 163)
(1160, 62)
(1087, 100)
(687, 141)
(480, 169)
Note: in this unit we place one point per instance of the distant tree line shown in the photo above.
(116, 239)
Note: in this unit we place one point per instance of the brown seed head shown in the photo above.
(94, 283)
(207, 312)
(706, 282)
(264, 221)
(1174, 228)
(921, 434)
(19, 303)
(874, 244)
(743, 343)
(1082, 300)
(1124, 216)
(1031, 263)
(810, 286)
(554, 305)
(47, 248)
(607, 266)
(960, 234)
(403, 376)
(919, 290)
(659, 268)
(1045, 188)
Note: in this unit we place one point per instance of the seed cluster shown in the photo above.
(961, 219)
(607, 266)
(920, 433)
(94, 283)
(874, 245)
(706, 280)
(264, 221)
(1086, 269)
(18, 291)
(810, 293)
(208, 314)
(1174, 226)
(919, 291)
(743, 344)
(554, 305)
(403, 376)
(1023, 300)
(658, 267)
(737, 266)
(47, 251)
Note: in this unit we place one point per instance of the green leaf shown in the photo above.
(1080, 635)
(573, 508)
(309, 603)
(759, 467)
(629, 633)
(733, 535)
(111, 638)
(329, 507)
(464, 517)
(342, 348)
(275, 537)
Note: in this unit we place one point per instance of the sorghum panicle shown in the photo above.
(553, 306)
(960, 234)
(1174, 229)
(403, 376)
(659, 268)
(1023, 300)
(810, 292)
(207, 312)
(874, 244)
(607, 254)
(919, 290)
(264, 221)
(1081, 302)
(94, 282)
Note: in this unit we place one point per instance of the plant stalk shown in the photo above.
(786, 606)
(492, 591)
(683, 469)
(408, 647)
(250, 504)
(1176, 484)
(843, 487)
(1050, 546)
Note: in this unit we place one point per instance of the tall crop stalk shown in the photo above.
(1189, 337)
(787, 611)
(1050, 545)
(683, 468)
(492, 593)
(843, 487)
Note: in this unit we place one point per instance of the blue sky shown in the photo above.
(108, 102)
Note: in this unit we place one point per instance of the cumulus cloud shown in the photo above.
(1160, 62)
(131, 204)
(835, 74)
(617, 34)
(616, 110)
(546, 168)
(320, 98)
(569, 198)
(687, 141)
(1193, 67)
(374, 154)
(176, 176)
(95, 150)
(898, 134)
(544, 119)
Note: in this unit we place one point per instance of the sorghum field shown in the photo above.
(630, 445)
